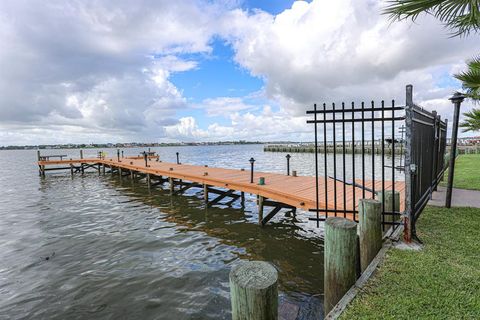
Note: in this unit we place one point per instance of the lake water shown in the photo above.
(99, 247)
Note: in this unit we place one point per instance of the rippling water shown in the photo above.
(98, 247)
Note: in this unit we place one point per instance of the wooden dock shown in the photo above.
(279, 191)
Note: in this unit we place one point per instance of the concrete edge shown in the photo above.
(366, 275)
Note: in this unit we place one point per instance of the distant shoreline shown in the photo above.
(134, 145)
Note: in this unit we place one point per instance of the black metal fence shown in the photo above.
(345, 176)
(349, 175)
(426, 141)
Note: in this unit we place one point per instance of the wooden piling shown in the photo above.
(253, 291)
(81, 154)
(205, 192)
(340, 259)
(71, 169)
(103, 169)
(260, 209)
(172, 185)
(370, 230)
(242, 198)
(389, 198)
(149, 181)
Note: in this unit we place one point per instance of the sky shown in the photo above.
(85, 71)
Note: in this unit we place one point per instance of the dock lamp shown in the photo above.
(118, 155)
(178, 159)
(288, 163)
(457, 100)
(252, 161)
(145, 156)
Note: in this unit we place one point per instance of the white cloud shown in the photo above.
(345, 49)
(93, 70)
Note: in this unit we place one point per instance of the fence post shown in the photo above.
(409, 166)
(370, 230)
(253, 291)
(340, 259)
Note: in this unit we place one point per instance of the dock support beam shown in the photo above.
(253, 291)
(149, 183)
(340, 259)
(370, 230)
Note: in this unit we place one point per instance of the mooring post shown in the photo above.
(118, 155)
(103, 169)
(119, 172)
(122, 153)
(260, 209)
(391, 202)
(340, 259)
(71, 169)
(242, 198)
(253, 291)
(145, 157)
(131, 175)
(370, 230)
(288, 163)
(252, 161)
(178, 158)
(81, 154)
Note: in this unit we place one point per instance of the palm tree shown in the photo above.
(471, 79)
(461, 16)
(472, 121)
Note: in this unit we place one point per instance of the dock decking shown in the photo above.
(282, 191)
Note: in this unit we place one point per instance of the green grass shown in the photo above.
(467, 172)
(440, 282)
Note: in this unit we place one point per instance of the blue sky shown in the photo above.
(208, 70)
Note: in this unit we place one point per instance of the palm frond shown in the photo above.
(472, 121)
(461, 16)
(471, 79)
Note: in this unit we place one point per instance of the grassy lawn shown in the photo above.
(440, 282)
(467, 172)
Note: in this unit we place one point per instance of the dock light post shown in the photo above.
(145, 157)
(288, 163)
(118, 155)
(122, 153)
(252, 161)
(178, 159)
(457, 100)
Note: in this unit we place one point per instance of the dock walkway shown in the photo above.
(279, 191)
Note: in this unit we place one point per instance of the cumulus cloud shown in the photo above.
(101, 70)
(345, 49)
(98, 64)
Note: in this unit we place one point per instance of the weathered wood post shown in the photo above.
(205, 192)
(103, 169)
(71, 169)
(370, 230)
(340, 261)
(242, 198)
(149, 181)
(253, 291)
(172, 185)
(260, 209)
(391, 202)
